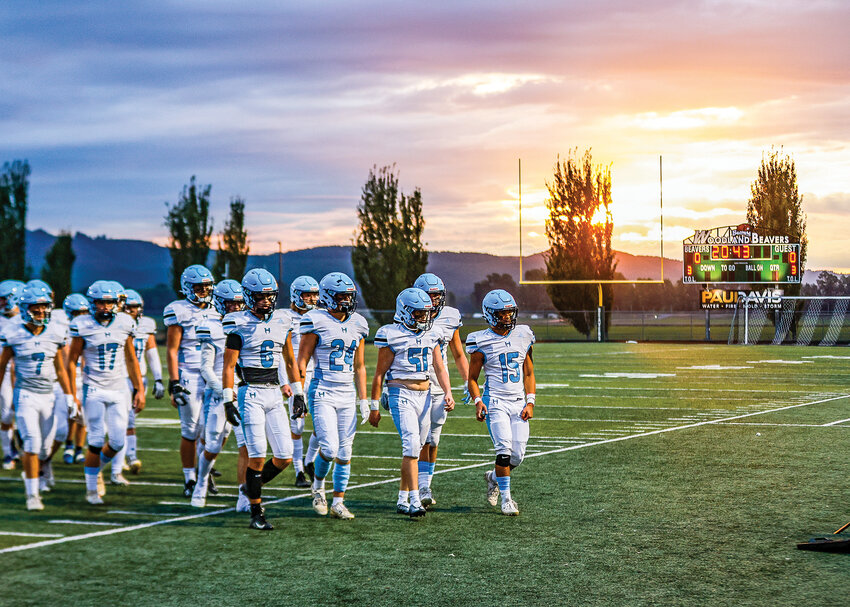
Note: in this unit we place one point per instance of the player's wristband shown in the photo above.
(529, 399)
(477, 400)
(227, 395)
(374, 405)
(296, 388)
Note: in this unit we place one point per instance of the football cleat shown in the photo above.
(118, 479)
(68, 455)
(492, 489)
(310, 469)
(402, 508)
(101, 486)
(341, 512)
(43, 484)
(8, 463)
(189, 487)
(135, 466)
(301, 480)
(34, 502)
(211, 488)
(509, 508)
(320, 504)
(79, 457)
(198, 501)
(125, 467)
(417, 511)
(259, 522)
(427, 497)
(214, 472)
(242, 502)
(93, 498)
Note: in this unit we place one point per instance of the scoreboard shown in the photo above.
(740, 255)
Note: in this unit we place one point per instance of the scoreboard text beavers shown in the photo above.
(737, 254)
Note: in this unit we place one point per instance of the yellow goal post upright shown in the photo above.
(600, 310)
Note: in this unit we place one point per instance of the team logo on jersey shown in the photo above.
(268, 329)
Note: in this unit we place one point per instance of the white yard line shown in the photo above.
(64, 521)
(840, 421)
(143, 513)
(19, 534)
(75, 538)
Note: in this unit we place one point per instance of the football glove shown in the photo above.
(385, 400)
(71, 404)
(299, 406)
(231, 413)
(364, 410)
(158, 389)
(179, 393)
(467, 397)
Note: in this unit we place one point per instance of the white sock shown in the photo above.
(402, 497)
(336, 500)
(131, 447)
(319, 484)
(6, 441)
(414, 498)
(189, 475)
(204, 466)
(31, 486)
(298, 455)
(118, 460)
(91, 480)
(312, 448)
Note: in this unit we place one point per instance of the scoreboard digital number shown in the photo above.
(737, 254)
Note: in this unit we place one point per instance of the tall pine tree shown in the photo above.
(579, 228)
(14, 190)
(189, 229)
(58, 266)
(388, 254)
(232, 255)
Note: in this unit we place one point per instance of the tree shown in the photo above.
(776, 207)
(232, 255)
(58, 265)
(190, 228)
(14, 188)
(494, 281)
(579, 228)
(388, 254)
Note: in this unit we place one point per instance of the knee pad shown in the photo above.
(516, 459)
(434, 435)
(344, 453)
(503, 459)
(95, 450)
(114, 447)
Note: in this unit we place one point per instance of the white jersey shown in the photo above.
(145, 326)
(504, 356)
(260, 342)
(413, 351)
(6, 321)
(295, 317)
(58, 316)
(34, 354)
(337, 343)
(212, 333)
(447, 322)
(104, 349)
(188, 316)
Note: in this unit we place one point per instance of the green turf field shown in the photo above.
(657, 475)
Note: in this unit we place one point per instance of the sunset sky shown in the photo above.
(116, 105)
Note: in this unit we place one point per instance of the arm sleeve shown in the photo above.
(233, 342)
(154, 364)
(208, 366)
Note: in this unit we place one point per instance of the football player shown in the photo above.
(183, 357)
(75, 305)
(147, 354)
(503, 351)
(407, 350)
(9, 292)
(105, 339)
(333, 337)
(227, 299)
(303, 296)
(446, 323)
(257, 342)
(37, 345)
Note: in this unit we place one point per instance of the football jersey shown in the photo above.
(262, 340)
(104, 349)
(337, 342)
(212, 333)
(504, 356)
(413, 351)
(295, 317)
(34, 354)
(145, 326)
(58, 316)
(6, 321)
(447, 322)
(188, 316)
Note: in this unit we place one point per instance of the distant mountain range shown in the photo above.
(145, 265)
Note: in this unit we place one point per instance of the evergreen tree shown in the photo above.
(579, 228)
(189, 229)
(388, 254)
(14, 189)
(57, 268)
(232, 255)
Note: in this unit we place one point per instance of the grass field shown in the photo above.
(656, 475)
